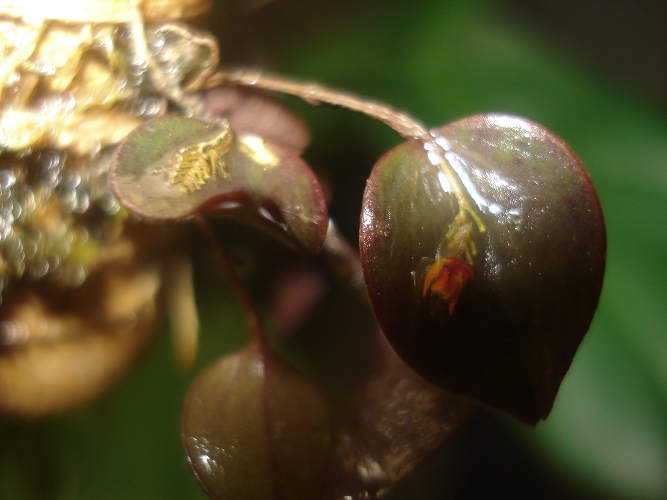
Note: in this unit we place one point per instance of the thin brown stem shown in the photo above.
(257, 334)
(402, 123)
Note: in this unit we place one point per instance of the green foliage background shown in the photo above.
(607, 435)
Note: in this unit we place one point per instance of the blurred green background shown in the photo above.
(593, 72)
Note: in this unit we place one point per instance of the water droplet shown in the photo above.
(73, 275)
(72, 178)
(7, 216)
(156, 42)
(205, 464)
(495, 209)
(17, 210)
(109, 204)
(443, 142)
(7, 179)
(26, 199)
(40, 266)
(13, 333)
(68, 198)
(82, 202)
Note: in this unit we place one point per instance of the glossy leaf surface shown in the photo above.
(387, 419)
(392, 422)
(254, 428)
(176, 167)
(537, 271)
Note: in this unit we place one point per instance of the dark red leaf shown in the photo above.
(176, 167)
(255, 428)
(534, 236)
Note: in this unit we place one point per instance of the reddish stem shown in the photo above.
(257, 334)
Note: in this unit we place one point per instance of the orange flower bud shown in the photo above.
(446, 277)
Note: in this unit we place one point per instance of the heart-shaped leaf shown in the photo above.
(484, 253)
(177, 167)
(254, 428)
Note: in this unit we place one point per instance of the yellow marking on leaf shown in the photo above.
(192, 167)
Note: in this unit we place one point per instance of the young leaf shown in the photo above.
(254, 428)
(176, 167)
(251, 111)
(487, 291)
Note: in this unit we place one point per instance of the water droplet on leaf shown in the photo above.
(254, 428)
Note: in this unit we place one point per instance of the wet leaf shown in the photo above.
(254, 428)
(536, 242)
(387, 419)
(393, 421)
(176, 167)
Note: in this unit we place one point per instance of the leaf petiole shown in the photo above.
(405, 125)
(257, 334)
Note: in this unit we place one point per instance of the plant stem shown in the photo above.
(402, 123)
(186, 99)
(257, 334)
(344, 260)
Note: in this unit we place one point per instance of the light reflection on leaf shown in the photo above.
(175, 167)
(392, 422)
